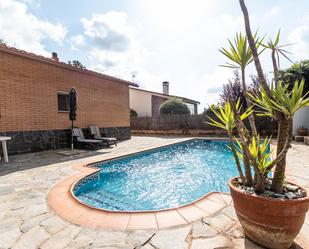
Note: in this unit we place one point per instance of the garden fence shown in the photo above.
(191, 123)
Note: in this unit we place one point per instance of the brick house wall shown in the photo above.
(29, 105)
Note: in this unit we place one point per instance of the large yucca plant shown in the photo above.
(284, 125)
(277, 102)
(255, 150)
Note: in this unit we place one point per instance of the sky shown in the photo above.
(154, 40)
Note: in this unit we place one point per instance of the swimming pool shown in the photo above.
(163, 178)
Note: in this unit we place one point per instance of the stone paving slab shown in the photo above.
(172, 238)
(32, 239)
(26, 222)
(211, 243)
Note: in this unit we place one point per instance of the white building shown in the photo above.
(301, 119)
(147, 103)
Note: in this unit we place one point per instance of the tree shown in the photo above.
(76, 63)
(297, 71)
(276, 102)
(133, 113)
(174, 106)
(233, 88)
(2, 42)
(241, 56)
(226, 120)
(279, 103)
(276, 50)
(253, 48)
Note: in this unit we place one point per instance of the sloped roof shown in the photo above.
(168, 96)
(43, 59)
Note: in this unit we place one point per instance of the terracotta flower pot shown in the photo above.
(271, 223)
(302, 131)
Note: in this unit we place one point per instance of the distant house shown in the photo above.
(147, 103)
(34, 101)
(301, 119)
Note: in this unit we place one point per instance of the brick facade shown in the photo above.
(28, 95)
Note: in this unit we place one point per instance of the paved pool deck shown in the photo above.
(26, 220)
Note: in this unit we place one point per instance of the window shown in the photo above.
(63, 101)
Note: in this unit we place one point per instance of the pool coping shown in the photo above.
(63, 202)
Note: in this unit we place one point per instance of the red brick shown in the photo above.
(28, 96)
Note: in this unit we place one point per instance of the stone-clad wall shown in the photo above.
(121, 133)
(33, 141)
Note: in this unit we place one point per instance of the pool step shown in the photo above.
(105, 197)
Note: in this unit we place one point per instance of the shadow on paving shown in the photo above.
(296, 246)
(27, 161)
(249, 244)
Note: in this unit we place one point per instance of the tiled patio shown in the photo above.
(27, 222)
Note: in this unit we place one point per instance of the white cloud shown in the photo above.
(177, 41)
(21, 29)
(272, 12)
(300, 37)
(171, 56)
(77, 41)
(210, 85)
(174, 42)
(32, 2)
(109, 31)
(111, 44)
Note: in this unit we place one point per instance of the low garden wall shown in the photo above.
(195, 125)
(33, 141)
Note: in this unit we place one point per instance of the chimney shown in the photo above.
(165, 86)
(55, 57)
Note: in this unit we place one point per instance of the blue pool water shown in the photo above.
(167, 177)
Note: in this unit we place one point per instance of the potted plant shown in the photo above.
(302, 131)
(270, 209)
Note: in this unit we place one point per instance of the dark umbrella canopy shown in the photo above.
(73, 108)
(73, 104)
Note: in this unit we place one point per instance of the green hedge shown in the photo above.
(174, 106)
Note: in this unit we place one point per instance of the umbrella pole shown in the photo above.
(72, 146)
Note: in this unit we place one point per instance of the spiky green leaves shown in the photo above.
(226, 117)
(260, 154)
(278, 49)
(282, 100)
(239, 52)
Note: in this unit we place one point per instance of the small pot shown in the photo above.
(269, 222)
(302, 131)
